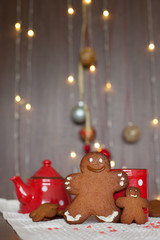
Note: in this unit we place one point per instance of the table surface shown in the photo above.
(6, 231)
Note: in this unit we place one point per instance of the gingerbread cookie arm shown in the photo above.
(119, 179)
(72, 183)
(143, 202)
(121, 202)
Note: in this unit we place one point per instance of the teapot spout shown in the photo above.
(23, 191)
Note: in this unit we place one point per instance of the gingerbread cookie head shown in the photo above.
(133, 192)
(95, 162)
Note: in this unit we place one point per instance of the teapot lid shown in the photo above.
(46, 171)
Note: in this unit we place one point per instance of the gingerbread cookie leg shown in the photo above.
(141, 218)
(111, 216)
(76, 213)
(126, 218)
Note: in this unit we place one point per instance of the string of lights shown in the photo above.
(153, 81)
(108, 86)
(28, 106)
(17, 88)
(92, 69)
(71, 12)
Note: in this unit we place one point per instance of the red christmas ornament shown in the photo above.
(87, 148)
(87, 136)
(106, 152)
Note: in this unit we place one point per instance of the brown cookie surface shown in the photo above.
(132, 206)
(94, 188)
(154, 208)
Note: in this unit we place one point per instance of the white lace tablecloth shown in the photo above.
(58, 229)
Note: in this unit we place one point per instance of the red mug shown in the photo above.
(137, 178)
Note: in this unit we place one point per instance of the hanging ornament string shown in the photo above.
(131, 132)
(153, 81)
(82, 44)
(92, 72)
(29, 88)
(87, 125)
(17, 89)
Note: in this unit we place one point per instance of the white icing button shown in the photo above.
(69, 178)
(121, 183)
(61, 202)
(100, 160)
(140, 182)
(67, 183)
(44, 188)
(68, 188)
(119, 174)
(90, 159)
(122, 178)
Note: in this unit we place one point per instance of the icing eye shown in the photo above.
(135, 190)
(90, 159)
(100, 160)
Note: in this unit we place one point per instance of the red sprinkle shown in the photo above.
(89, 226)
(109, 227)
(146, 226)
(113, 230)
(76, 229)
(56, 228)
(50, 228)
(158, 226)
(101, 232)
(152, 224)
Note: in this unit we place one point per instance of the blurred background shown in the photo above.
(43, 111)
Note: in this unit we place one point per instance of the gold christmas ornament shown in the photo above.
(87, 57)
(131, 133)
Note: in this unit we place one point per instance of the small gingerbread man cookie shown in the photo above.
(45, 212)
(94, 188)
(132, 206)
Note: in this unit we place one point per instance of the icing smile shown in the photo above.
(132, 195)
(95, 170)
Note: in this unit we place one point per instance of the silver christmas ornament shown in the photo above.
(78, 113)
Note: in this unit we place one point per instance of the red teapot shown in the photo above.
(45, 186)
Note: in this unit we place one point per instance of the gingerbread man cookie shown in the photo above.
(94, 188)
(133, 206)
(46, 212)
